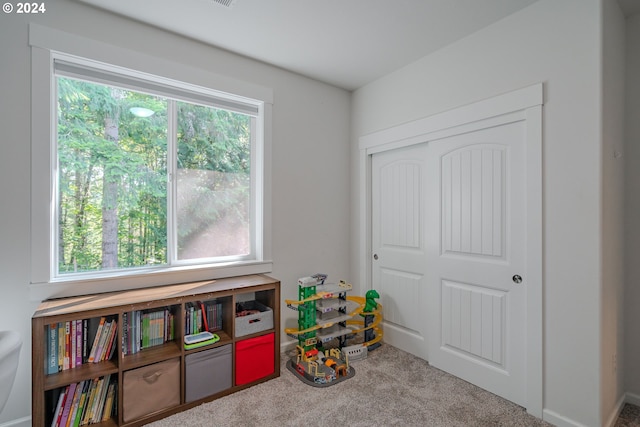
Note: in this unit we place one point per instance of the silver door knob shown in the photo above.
(375, 256)
(517, 279)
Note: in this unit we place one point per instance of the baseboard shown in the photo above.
(559, 420)
(20, 422)
(285, 347)
(613, 417)
(562, 421)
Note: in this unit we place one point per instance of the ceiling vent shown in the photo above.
(225, 3)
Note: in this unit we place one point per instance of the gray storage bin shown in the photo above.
(252, 323)
(208, 372)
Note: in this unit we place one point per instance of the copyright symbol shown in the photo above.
(7, 8)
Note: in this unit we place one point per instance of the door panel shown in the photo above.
(476, 313)
(472, 182)
(473, 321)
(400, 189)
(404, 287)
(398, 218)
(448, 229)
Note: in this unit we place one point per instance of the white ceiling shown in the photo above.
(347, 43)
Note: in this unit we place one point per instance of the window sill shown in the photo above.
(139, 280)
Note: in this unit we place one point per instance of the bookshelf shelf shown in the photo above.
(151, 355)
(176, 311)
(88, 370)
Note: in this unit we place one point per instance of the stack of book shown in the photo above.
(103, 346)
(86, 402)
(213, 309)
(72, 343)
(203, 316)
(146, 328)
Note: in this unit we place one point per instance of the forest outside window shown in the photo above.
(151, 173)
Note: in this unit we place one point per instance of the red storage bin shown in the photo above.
(255, 358)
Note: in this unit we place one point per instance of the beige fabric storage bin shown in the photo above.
(150, 389)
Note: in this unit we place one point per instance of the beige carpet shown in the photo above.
(390, 388)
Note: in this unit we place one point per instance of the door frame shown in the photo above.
(519, 105)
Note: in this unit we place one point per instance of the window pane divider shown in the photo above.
(172, 171)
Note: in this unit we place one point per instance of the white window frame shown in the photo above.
(49, 44)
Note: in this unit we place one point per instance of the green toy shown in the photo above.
(370, 302)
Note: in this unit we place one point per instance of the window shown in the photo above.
(152, 180)
(150, 177)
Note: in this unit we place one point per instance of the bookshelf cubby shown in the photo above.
(160, 317)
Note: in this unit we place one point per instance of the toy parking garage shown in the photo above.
(325, 314)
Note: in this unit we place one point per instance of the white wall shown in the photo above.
(632, 210)
(611, 333)
(554, 42)
(313, 211)
(310, 194)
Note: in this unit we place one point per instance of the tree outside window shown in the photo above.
(145, 180)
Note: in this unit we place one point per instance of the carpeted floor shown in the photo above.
(390, 388)
(629, 416)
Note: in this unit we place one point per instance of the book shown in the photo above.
(96, 341)
(108, 404)
(188, 320)
(91, 397)
(112, 348)
(214, 315)
(67, 346)
(160, 315)
(72, 347)
(94, 402)
(204, 317)
(172, 324)
(137, 338)
(104, 335)
(125, 333)
(145, 330)
(67, 404)
(85, 341)
(97, 416)
(52, 349)
(91, 393)
(83, 397)
(74, 404)
(107, 352)
(61, 328)
(93, 324)
(55, 421)
(79, 342)
(153, 329)
(89, 328)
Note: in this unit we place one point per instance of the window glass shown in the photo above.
(145, 180)
(213, 182)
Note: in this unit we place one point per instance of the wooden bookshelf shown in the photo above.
(228, 292)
